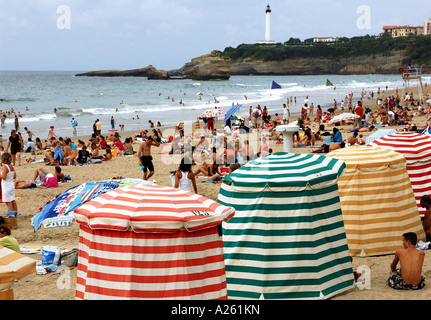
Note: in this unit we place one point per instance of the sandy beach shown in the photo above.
(46, 287)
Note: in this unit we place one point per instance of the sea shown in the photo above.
(44, 99)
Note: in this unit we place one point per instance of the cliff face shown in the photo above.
(148, 72)
(215, 66)
(207, 67)
(319, 66)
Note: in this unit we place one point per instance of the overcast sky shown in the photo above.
(129, 34)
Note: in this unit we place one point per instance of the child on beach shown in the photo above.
(51, 133)
(8, 174)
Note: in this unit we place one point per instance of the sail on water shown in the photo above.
(329, 83)
(275, 85)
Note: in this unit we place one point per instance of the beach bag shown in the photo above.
(50, 182)
(51, 255)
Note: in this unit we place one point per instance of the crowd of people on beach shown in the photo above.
(211, 152)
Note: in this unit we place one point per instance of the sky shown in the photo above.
(87, 35)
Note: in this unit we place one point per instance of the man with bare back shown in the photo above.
(145, 158)
(409, 276)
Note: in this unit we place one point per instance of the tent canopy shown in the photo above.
(287, 238)
(379, 134)
(151, 209)
(151, 242)
(287, 172)
(416, 148)
(13, 267)
(377, 200)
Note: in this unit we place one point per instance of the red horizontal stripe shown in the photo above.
(163, 279)
(181, 235)
(217, 289)
(169, 264)
(139, 249)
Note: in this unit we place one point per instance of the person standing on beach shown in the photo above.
(8, 174)
(98, 127)
(145, 158)
(15, 143)
(74, 125)
(426, 204)
(409, 276)
(51, 133)
(286, 114)
(112, 123)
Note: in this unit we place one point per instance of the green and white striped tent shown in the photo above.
(287, 239)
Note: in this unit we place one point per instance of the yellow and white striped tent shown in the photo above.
(377, 200)
(13, 267)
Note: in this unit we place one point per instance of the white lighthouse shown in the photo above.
(268, 28)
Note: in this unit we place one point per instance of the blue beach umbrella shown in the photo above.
(232, 111)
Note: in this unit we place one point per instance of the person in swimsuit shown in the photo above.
(409, 276)
(15, 144)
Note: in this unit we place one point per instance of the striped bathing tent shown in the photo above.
(13, 267)
(416, 148)
(151, 242)
(287, 239)
(377, 200)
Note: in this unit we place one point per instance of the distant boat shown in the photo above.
(275, 85)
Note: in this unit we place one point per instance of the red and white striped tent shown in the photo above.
(416, 148)
(151, 242)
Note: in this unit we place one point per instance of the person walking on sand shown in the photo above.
(409, 276)
(145, 158)
(74, 125)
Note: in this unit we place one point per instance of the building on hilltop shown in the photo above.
(325, 39)
(403, 31)
(427, 27)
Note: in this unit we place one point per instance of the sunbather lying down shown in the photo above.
(25, 185)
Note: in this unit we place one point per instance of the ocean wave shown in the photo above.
(10, 100)
(32, 118)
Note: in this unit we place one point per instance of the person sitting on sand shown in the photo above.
(69, 157)
(409, 276)
(42, 174)
(7, 240)
(128, 147)
(353, 139)
(264, 148)
(95, 155)
(83, 155)
(337, 137)
(108, 155)
(184, 177)
(305, 140)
